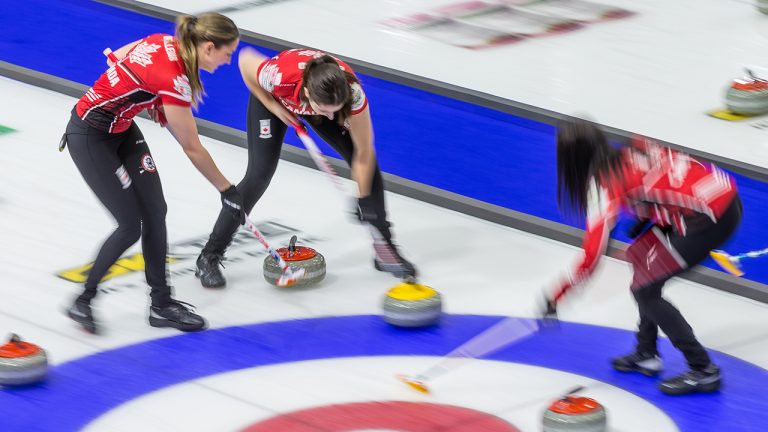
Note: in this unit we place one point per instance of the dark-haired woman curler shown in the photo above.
(683, 208)
(326, 93)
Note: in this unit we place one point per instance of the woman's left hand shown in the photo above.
(157, 115)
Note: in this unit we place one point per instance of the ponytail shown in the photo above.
(192, 31)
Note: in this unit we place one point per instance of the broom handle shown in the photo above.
(322, 163)
(263, 240)
(504, 333)
(752, 254)
(325, 166)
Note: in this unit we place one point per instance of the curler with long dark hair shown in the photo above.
(583, 153)
(329, 85)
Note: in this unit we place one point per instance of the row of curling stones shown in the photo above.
(297, 257)
(22, 363)
(575, 414)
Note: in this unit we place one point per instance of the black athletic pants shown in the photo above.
(119, 168)
(265, 139)
(656, 312)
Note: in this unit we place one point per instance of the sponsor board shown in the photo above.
(246, 5)
(485, 24)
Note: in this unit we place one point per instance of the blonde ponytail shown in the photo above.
(192, 31)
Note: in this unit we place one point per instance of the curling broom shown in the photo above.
(496, 337)
(386, 255)
(732, 263)
(289, 275)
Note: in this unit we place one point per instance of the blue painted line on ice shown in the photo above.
(79, 391)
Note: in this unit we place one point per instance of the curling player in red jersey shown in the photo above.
(161, 74)
(683, 208)
(325, 92)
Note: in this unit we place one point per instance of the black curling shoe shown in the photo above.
(647, 364)
(178, 315)
(208, 270)
(693, 381)
(81, 313)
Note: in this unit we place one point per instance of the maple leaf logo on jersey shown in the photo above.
(142, 53)
(270, 77)
(181, 85)
(170, 51)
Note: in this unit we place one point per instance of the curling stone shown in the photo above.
(412, 305)
(22, 363)
(575, 414)
(304, 257)
(762, 6)
(747, 96)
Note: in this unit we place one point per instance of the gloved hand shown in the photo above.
(548, 313)
(365, 211)
(639, 227)
(232, 201)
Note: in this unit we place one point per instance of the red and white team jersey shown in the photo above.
(658, 184)
(281, 76)
(150, 75)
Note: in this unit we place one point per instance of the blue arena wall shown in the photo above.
(424, 137)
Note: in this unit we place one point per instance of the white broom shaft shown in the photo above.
(318, 157)
(500, 335)
(275, 256)
(752, 254)
(442, 367)
(495, 337)
(320, 160)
